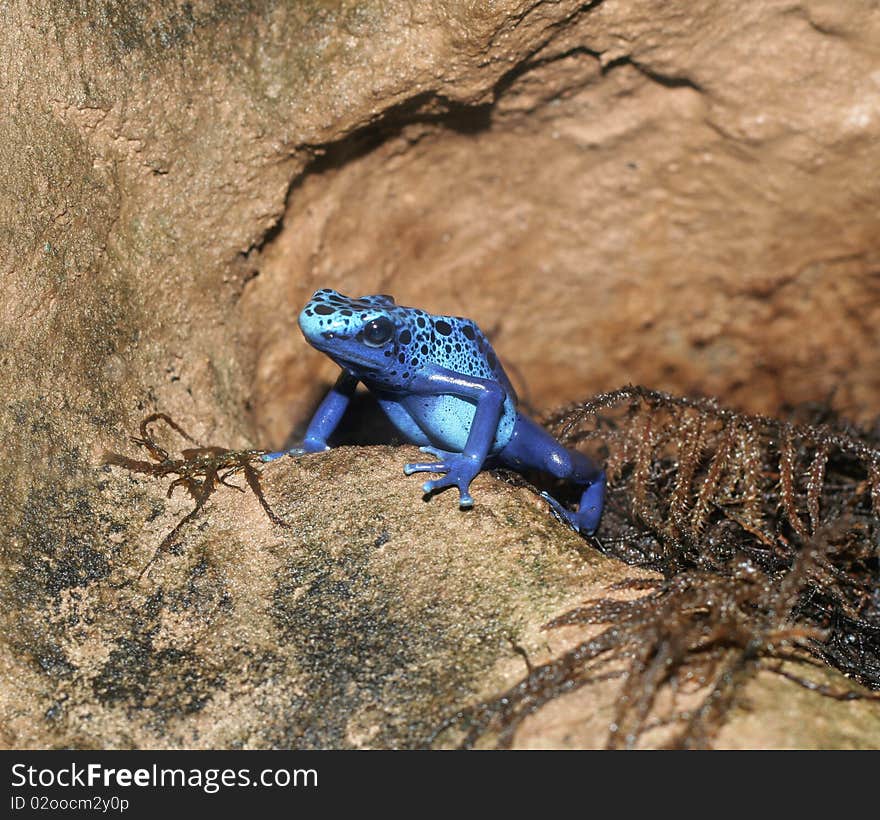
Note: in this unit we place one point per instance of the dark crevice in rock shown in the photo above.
(668, 81)
(517, 72)
(424, 109)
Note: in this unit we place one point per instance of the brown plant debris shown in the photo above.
(200, 471)
(766, 533)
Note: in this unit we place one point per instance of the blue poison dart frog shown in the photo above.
(442, 386)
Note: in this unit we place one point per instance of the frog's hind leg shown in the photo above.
(532, 447)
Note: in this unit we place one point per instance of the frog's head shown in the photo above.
(360, 335)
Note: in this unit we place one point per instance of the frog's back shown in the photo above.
(453, 343)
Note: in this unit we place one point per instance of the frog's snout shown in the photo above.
(312, 324)
(321, 324)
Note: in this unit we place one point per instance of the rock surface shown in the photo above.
(365, 623)
(678, 194)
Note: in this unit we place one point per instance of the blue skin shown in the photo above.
(442, 386)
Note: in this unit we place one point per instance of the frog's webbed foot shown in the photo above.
(560, 512)
(586, 519)
(459, 471)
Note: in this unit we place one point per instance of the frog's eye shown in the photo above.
(379, 331)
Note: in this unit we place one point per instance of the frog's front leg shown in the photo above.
(326, 419)
(460, 468)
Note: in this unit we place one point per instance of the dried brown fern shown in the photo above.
(200, 471)
(690, 464)
(766, 533)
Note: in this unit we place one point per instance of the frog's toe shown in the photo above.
(465, 501)
(560, 512)
(424, 467)
(294, 451)
(438, 484)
